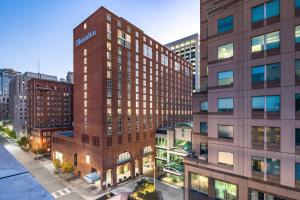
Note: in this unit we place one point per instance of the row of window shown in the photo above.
(224, 190)
(259, 43)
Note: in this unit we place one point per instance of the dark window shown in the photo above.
(225, 131)
(297, 136)
(297, 171)
(297, 102)
(272, 8)
(225, 24)
(273, 167)
(297, 70)
(265, 11)
(273, 72)
(203, 149)
(297, 3)
(258, 74)
(203, 127)
(257, 13)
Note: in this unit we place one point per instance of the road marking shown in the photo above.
(61, 192)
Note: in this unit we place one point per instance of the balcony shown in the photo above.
(196, 159)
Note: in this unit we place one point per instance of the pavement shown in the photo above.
(43, 175)
(75, 189)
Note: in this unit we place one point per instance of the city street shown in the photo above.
(44, 176)
(42, 171)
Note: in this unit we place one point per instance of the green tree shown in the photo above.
(23, 141)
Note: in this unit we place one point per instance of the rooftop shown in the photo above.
(66, 133)
(16, 182)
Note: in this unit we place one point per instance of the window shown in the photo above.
(225, 191)
(257, 13)
(225, 105)
(297, 3)
(297, 70)
(204, 106)
(203, 149)
(164, 60)
(203, 127)
(265, 11)
(272, 73)
(258, 103)
(273, 135)
(272, 103)
(273, 167)
(199, 183)
(225, 158)
(258, 164)
(258, 74)
(225, 24)
(297, 34)
(87, 159)
(124, 39)
(265, 42)
(257, 195)
(297, 171)
(225, 78)
(225, 51)
(147, 51)
(225, 131)
(297, 136)
(258, 134)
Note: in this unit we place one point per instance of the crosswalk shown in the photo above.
(61, 192)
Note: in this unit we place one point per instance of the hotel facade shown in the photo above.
(246, 114)
(126, 85)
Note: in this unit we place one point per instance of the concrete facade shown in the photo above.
(243, 117)
(189, 49)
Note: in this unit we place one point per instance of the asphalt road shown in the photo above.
(53, 185)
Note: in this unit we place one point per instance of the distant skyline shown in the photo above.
(34, 29)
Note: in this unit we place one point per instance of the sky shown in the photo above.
(33, 30)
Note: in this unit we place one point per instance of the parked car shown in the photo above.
(91, 177)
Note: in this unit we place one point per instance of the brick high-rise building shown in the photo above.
(126, 85)
(50, 109)
(246, 116)
(18, 100)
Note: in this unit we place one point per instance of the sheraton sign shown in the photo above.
(85, 38)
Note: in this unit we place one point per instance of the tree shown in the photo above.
(67, 166)
(23, 141)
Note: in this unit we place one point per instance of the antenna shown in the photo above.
(38, 65)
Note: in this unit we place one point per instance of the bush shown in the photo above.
(145, 190)
(66, 166)
(23, 141)
(56, 163)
